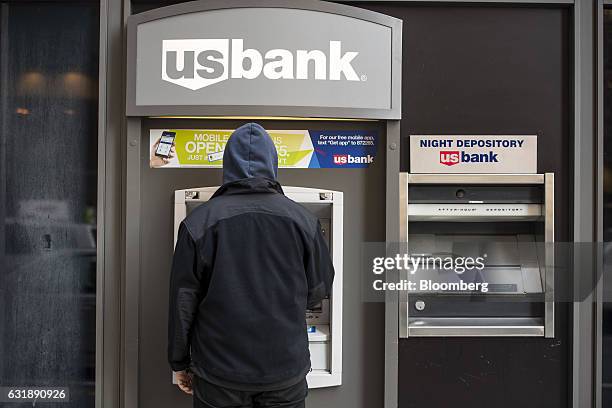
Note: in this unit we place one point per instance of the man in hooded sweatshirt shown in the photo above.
(247, 265)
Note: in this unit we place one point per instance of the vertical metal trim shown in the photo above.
(100, 240)
(599, 203)
(131, 300)
(403, 206)
(396, 69)
(130, 283)
(403, 246)
(393, 147)
(4, 12)
(549, 238)
(583, 198)
(336, 306)
(110, 205)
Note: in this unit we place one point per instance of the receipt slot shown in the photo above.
(506, 220)
(324, 321)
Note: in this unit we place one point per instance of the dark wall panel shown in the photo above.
(489, 70)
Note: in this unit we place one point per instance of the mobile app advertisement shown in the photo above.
(295, 148)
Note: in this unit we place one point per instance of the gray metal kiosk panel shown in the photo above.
(274, 28)
(183, 60)
(148, 268)
(364, 214)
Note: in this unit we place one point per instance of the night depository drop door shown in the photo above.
(506, 221)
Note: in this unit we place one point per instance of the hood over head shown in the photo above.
(249, 153)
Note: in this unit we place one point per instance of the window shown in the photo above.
(48, 189)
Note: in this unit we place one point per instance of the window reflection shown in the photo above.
(48, 189)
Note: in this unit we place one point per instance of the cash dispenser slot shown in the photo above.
(506, 221)
(323, 322)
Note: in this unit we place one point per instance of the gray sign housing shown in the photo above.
(273, 59)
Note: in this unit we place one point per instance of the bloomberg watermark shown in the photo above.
(416, 263)
(511, 270)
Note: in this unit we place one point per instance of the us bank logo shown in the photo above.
(198, 63)
(342, 159)
(452, 157)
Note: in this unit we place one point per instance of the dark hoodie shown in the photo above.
(246, 265)
(249, 153)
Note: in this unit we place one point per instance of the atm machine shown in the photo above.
(324, 322)
(507, 219)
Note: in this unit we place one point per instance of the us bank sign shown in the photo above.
(280, 58)
(474, 154)
(195, 64)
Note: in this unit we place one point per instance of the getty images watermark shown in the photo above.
(489, 270)
(415, 264)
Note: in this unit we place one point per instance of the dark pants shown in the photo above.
(213, 396)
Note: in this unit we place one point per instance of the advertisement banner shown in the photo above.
(172, 148)
(473, 154)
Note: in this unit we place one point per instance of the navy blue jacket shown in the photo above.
(246, 266)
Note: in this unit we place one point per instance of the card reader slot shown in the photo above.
(470, 228)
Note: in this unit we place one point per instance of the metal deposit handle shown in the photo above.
(479, 326)
(549, 255)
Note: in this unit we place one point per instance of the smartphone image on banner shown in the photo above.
(165, 144)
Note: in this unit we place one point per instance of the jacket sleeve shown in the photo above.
(185, 294)
(319, 269)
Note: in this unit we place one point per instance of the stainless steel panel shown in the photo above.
(474, 212)
(533, 279)
(487, 327)
(549, 238)
(515, 263)
(476, 178)
(403, 220)
(512, 265)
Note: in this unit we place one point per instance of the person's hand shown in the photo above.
(156, 161)
(184, 380)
